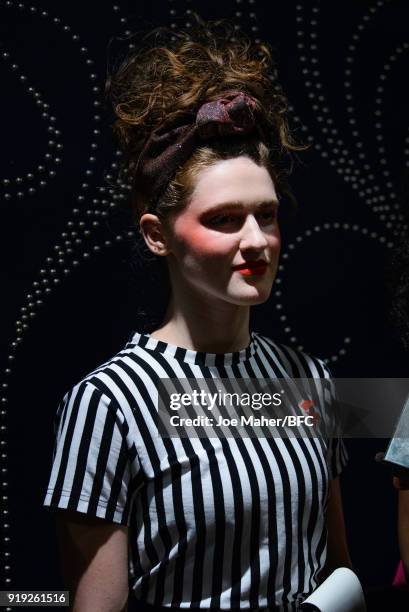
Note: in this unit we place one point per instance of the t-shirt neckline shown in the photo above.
(179, 353)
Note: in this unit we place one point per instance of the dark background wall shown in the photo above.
(71, 291)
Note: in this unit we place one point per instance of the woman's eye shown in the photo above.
(222, 220)
(268, 216)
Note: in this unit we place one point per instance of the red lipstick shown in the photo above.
(250, 268)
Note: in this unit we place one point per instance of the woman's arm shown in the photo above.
(94, 557)
(338, 554)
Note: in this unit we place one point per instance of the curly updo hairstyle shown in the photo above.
(167, 74)
(170, 73)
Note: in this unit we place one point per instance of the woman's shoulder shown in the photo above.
(115, 394)
(310, 378)
(109, 379)
(294, 360)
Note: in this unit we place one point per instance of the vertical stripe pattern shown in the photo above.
(214, 523)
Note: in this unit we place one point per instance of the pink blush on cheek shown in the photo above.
(201, 241)
(211, 246)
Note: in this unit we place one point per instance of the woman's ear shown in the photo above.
(154, 235)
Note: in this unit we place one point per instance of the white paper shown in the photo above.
(340, 592)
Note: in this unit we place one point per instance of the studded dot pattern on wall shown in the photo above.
(83, 229)
(35, 178)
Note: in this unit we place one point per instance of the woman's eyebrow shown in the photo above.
(240, 205)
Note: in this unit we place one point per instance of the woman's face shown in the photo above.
(226, 242)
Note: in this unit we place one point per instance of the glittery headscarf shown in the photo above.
(172, 143)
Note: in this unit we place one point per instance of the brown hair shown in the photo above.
(173, 73)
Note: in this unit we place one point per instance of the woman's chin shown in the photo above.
(251, 293)
(251, 297)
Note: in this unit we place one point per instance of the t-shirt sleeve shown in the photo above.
(337, 454)
(95, 469)
(337, 457)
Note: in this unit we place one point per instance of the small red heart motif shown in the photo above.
(306, 404)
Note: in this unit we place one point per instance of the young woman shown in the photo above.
(200, 523)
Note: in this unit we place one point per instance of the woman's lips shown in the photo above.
(252, 269)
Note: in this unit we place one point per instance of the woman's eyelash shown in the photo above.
(270, 214)
(222, 219)
(267, 215)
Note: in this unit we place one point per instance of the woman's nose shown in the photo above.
(253, 236)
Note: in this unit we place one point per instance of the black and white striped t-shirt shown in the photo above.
(213, 523)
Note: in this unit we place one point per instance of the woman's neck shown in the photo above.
(205, 325)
